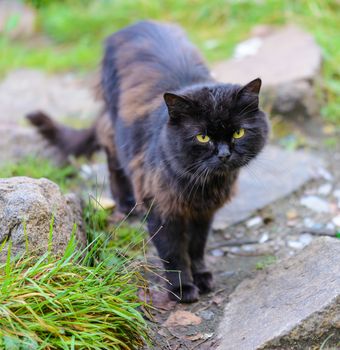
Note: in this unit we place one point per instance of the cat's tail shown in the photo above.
(70, 141)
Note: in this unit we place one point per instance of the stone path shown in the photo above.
(274, 175)
(292, 305)
(65, 97)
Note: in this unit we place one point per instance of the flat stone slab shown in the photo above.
(275, 174)
(288, 61)
(63, 97)
(17, 142)
(286, 55)
(293, 305)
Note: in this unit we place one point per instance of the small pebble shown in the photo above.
(228, 273)
(336, 221)
(239, 234)
(315, 203)
(336, 193)
(255, 221)
(235, 249)
(317, 226)
(264, 238)
(217, 252)
(295, 244)
(207, 315)
(248, 248)
(330, 226)
(103, 203)
(291, 223)
(291, 214)
(305, 239)
(86, 172)
(227, 236)
(325, 189)
(308, 222)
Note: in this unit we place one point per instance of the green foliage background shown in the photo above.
(71, 31)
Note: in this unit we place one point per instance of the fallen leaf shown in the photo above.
(182, 318)
(218, 300)
(103, 203)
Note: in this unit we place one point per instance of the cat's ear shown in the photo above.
(177, 105)
(253, 87)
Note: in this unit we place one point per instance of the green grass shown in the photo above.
(65, 303)
(74, 301)
(65, 176)
(117, 242)
(75, 29)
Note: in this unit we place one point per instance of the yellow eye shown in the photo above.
(203, 138)
(238, 134)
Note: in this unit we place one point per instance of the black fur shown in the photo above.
(160, 96)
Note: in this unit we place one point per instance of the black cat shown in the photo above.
(175, 141)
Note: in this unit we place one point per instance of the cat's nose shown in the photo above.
(223, 153)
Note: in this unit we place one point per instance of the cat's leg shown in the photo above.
(171, 241)
(120, 185)
(198, 232)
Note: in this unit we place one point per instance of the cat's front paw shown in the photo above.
(187, 293)
(204, 281)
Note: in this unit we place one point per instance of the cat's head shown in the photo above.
(219, 126)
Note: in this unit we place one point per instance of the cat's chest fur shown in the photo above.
(191, 196)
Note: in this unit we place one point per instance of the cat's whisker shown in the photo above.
(193, 181)
(190, 169)
(196, 184)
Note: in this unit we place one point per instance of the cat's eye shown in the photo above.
(239, 133)
(202, 138)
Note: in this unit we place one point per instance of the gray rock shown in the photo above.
(292, 305)
(289, 62)
(65, 97)
(17, 20)
(27, 207)
(275, 174)
(17, 142)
